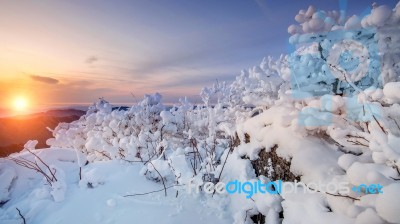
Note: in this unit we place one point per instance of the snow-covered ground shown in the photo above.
(327, 114)
(104, 201)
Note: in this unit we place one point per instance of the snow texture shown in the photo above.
(330, 124)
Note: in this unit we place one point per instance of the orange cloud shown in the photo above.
(44, 79)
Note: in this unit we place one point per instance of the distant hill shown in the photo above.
(53, 113)
(16, 131)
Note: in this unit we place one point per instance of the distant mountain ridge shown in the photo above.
(54, 113)
(17, 130)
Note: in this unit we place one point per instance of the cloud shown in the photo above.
(91, 59)
(44, 79)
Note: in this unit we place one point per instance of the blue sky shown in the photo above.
(72, 52)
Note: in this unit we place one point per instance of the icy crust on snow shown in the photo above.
(107, 154)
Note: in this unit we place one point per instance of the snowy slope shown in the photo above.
(316, 117)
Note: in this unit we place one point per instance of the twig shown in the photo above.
(336, 195)
(245, 218)
(397, 169)
(162, 179)
(34, 166)
(149, 159)
(47, 166)
(341, 149)
(130, 161)
(103, 153)
(22, 217)
(223, 165)
(357, 143)
(397, 124)
(353, 136)
(150, 192)
(398, 172)
(226, 158)
(379, 124)
(344, 196)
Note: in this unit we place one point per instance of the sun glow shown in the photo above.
(20, 103)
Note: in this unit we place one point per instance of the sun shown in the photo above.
(20, 103)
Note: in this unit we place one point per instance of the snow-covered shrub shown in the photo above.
(181, 143)
(195, 138)
(104, 134)
(327, 112)
(342, 123)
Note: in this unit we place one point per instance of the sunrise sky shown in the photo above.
(60, 53)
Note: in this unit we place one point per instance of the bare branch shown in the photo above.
(162, 178)
(379, 124)
(47, 166)
(22, 217)
(33, 165)
(336, 195)
(150, 192)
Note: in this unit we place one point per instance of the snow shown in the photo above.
(353, 22)
(378, 16)
(312, 208)
(331, 127)
(391, 92)
(112, 202)
(59, 187)
(368, 216)
(7, 175)
(106, 203)
(358, 173)
(388, 206)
